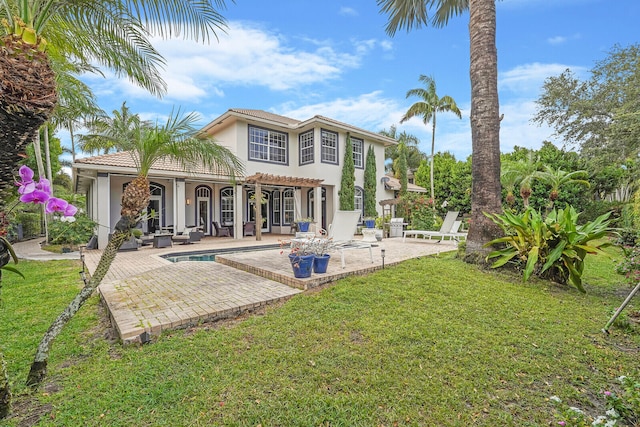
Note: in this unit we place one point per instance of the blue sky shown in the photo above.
(300, 58)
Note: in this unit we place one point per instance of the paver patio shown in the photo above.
(146, 294)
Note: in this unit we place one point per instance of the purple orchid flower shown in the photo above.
(26, 174)
(70, 210)
(56, 205)
(44, 185)
(36, 196)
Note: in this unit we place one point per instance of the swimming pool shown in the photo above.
(210, 255)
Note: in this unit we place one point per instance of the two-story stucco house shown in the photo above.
(294, 163)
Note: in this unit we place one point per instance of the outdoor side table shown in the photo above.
(162, 240)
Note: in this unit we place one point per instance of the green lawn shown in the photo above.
(431, 342)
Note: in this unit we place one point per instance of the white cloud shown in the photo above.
(556, 40)
(348, 11)
(527, 79)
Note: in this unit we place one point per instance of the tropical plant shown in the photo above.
(558, 177)
(553, 248)
(347, 192)
(402, 169)
(412, 144)
(71, 233)
(521, 172)
(177, 140)
(370, 184)
(485, 109)
(428, 108)
(45, 42)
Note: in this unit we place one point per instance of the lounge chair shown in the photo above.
(188, 236)
(221, 231)
(446, 230)
(342, 231)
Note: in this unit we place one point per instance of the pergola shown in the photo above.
(260, 179)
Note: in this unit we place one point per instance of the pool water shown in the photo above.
(210, 255)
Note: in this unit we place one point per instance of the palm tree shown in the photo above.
(176, 140)
(39, 37)
(485, 114)
(556, 178)
(428, 109)
(109, 132)
(412, 150)
(522, 172)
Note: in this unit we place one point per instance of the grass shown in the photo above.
(432, 341)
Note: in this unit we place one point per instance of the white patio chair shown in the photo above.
(342, 231)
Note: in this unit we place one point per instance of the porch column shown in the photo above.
(317, 206)
(297, 201)
(103, 213)
(237, 212)
(180, 205)
(258, 208)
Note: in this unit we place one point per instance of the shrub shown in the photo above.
(630, 265)
(71, 233)
(593, 210)
(553, 248)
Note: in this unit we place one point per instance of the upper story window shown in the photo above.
(329, 146)
(306, 147)
(358, 152)
(267, 145)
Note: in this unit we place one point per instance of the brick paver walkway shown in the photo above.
(146, 294)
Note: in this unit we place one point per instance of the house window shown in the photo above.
(288, 206)
(329, 146)
(226, 206)
(359, 201)
(277, 209)
(267, 145)
(306, 147)
(358, 152)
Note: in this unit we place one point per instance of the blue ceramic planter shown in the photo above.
(303, 227)
(302, 265)
(320, 263)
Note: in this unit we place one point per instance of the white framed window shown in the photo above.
(329, 152)
(267, 145)
(358, 152)
(288, 206)
(359, 202)
(277, 208)
(226, 206)
(306, 147)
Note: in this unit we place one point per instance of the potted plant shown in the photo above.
(301, 257)
(321, 247)
(303, 224)
(370, 221)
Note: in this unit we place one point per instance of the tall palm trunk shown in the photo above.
(134, 199)
(433, 149)
(485, 127)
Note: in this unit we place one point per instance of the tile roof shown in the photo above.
(125, 159)
(392, 183)
(265, 115)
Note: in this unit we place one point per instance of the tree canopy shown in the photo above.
(599, 115)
